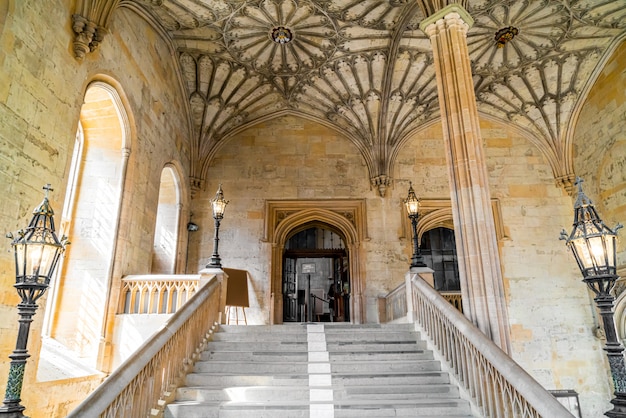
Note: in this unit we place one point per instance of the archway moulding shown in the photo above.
(339, 212)
(282, 217)
(438, 213)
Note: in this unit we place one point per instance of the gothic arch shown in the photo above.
(166, 245)
(283, 218)
(97, 193)
(440, 217)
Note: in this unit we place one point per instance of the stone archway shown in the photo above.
(282, 217)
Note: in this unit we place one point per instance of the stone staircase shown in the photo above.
(318, 371)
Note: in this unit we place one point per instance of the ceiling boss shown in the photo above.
(281, 35)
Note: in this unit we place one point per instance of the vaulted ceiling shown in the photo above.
(364, 68)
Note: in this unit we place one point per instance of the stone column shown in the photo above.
(479, 262)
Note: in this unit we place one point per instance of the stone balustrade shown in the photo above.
(142, 384)
(497, 385)
(157, 294)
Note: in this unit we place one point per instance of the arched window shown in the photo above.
(90, 220)
(164, 248)
(439, 250)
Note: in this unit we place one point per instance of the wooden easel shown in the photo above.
(229, 314)
(236, 295)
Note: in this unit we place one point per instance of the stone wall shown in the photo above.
(550, 311)
(602, 121)
(41, 92)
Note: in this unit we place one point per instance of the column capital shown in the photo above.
(441, 14)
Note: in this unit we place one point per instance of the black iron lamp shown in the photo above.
(412, 204)
(593, 246)
(219, 206)
(37, 252)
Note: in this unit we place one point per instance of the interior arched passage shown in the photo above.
(315, 261)
(283, 219)
(166, 228)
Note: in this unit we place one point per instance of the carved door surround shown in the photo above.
(283, 218)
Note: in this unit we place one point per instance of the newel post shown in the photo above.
(426, 274)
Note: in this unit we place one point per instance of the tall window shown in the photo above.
(164, 247)
(90, 216)
(439, 250)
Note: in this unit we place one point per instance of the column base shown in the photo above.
(619, 406)
(12, 411)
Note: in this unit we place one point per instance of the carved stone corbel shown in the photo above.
(566, 183)
(381, 182)
(89, 24)
(197, 185)
(87, 36)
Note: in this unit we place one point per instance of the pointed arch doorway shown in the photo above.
(314, 261)
(285, 218)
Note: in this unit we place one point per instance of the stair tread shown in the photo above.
(338, 403)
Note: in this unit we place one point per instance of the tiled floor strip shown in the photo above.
(320, 384)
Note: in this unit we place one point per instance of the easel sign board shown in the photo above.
(237, 288)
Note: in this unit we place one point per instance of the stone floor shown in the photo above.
(57, 362)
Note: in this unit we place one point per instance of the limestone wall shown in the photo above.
(41, 92)
(602, 121)
(550, 311)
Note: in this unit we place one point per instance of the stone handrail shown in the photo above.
(496, 383)
(395, 303)
(141, 384)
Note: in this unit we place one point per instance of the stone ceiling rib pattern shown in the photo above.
(537, 80)
(364, 67)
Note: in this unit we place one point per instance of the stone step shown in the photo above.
(270, 367)
(338, 327)
(263, 329)
(261, 356)
(257, 346)
(303, 393)
(337, 356)
(383, 379)
(294, 409)
(302, 346)
(371, 337)
(243, 337)
(380, 355)
(350, 379)
(229, 379)
(369, 346)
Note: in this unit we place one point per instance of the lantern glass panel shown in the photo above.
(596, 250)
(582, 253)
(20, 256)
(219, 206)
(39, 259)
(412, 206)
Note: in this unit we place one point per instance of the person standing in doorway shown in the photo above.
(331, 302)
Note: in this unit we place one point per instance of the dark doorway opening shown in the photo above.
(314, 260)
(439, 250)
